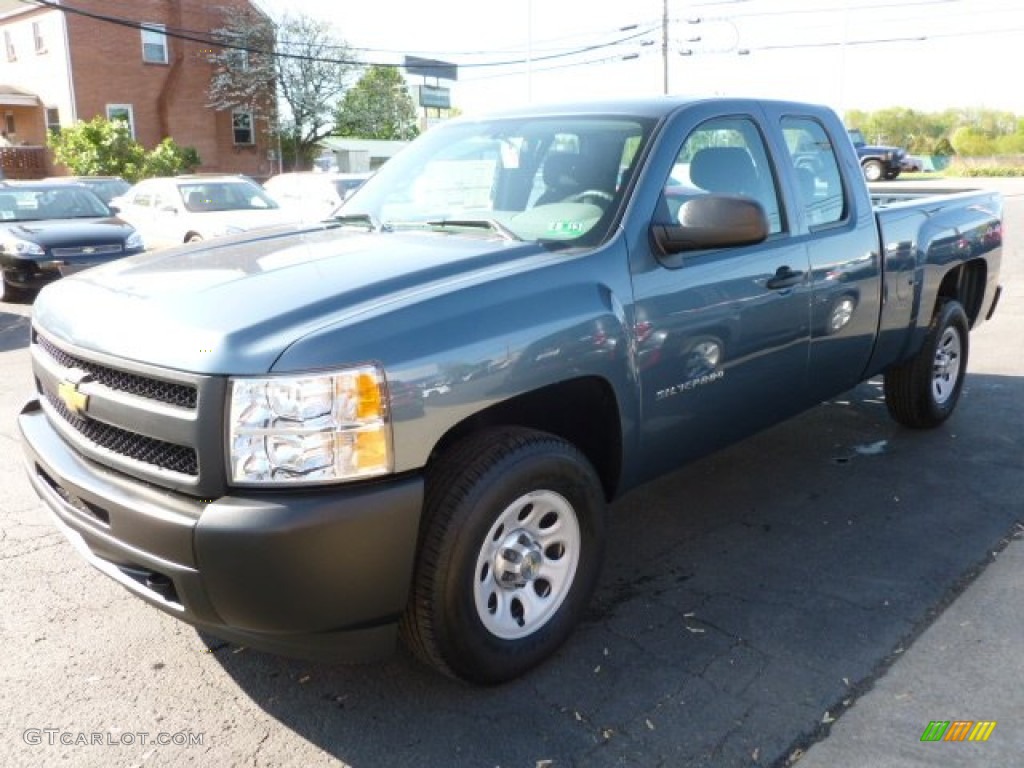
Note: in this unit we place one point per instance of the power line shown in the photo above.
(208, 39)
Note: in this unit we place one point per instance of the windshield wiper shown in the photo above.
(492, 224)
(356, 219)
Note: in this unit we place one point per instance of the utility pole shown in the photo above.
(664, 45)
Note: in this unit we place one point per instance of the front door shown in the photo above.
(722, 335)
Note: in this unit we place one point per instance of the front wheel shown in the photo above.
(10, 293)
(873, 170)
(510, 549)
(922, 392)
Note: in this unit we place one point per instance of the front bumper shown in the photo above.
(318, 574)
(30, 273)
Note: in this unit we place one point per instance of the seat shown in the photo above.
(559, 178)
(198, 200)
(725, 171)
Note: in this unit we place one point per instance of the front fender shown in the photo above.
(456, 352)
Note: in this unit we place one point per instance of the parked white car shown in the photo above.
(311, 194)
(186, 209)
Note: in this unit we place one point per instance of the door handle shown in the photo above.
(785, 278)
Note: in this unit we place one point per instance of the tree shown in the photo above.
(104, 147)
(299, 58)
(99, 147)
(168, 159)
(244, 70)
(378, 107)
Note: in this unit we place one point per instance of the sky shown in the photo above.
(927, 55)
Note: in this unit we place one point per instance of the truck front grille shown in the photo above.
(168, 392)
(176, 458)
(160, 425)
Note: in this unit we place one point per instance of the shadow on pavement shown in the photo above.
(14, 331)
(746, 601)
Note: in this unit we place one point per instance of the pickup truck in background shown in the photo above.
(250, 434)
(878, 162)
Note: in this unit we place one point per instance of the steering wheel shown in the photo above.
(580, 197)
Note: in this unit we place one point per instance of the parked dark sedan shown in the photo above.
(105, 187)
(50, 230)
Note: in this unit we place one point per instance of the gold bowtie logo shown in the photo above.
(69, 394)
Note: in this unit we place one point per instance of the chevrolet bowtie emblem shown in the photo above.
(69, 393)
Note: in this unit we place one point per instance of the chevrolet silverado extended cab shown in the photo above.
(409, 420)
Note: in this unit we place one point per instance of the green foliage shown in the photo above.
(967, 132)
(1004, 171)
(104, 147)
(378, 107)
(168, 159)
(972, 142)
(99, 147)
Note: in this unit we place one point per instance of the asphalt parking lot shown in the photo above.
(746, 603)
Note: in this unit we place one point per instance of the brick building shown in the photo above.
(58, 67)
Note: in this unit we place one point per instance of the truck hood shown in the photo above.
(235, 304)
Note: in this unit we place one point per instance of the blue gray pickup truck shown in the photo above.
(409, 420)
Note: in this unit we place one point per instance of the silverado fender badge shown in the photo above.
(69, 393)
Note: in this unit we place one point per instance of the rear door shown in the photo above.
(841, 235)
(722, 334)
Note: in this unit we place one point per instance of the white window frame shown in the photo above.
(119, 111)
(38, 38)
(52, 126)
(153, 36)
(237, 113)
(12, 53)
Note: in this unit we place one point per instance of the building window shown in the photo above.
(37, 35)
(9, 128)
(241, 123)
(52, 120)
(154, 44)
(9, 45)
(122, 112)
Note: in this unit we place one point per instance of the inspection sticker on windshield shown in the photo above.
(573, 227)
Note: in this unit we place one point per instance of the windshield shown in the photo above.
(224, 196)
(43, 203)
(534, 179)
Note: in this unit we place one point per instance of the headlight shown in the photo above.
(134, 241)
(23, 247)
(321, 428)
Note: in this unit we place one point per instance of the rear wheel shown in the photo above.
(194, 237)
(510, 550)
(923, 392)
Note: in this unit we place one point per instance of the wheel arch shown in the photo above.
(965, 283)
(582, 411)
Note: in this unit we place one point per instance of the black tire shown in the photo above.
(873, 170)
(923, 392)
(462, 618)
(193, 237)
(11, 293)
(892, 175)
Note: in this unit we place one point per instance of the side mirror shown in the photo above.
(712, 221)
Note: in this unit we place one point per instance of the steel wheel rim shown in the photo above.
(946, 367)
(527, 565)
